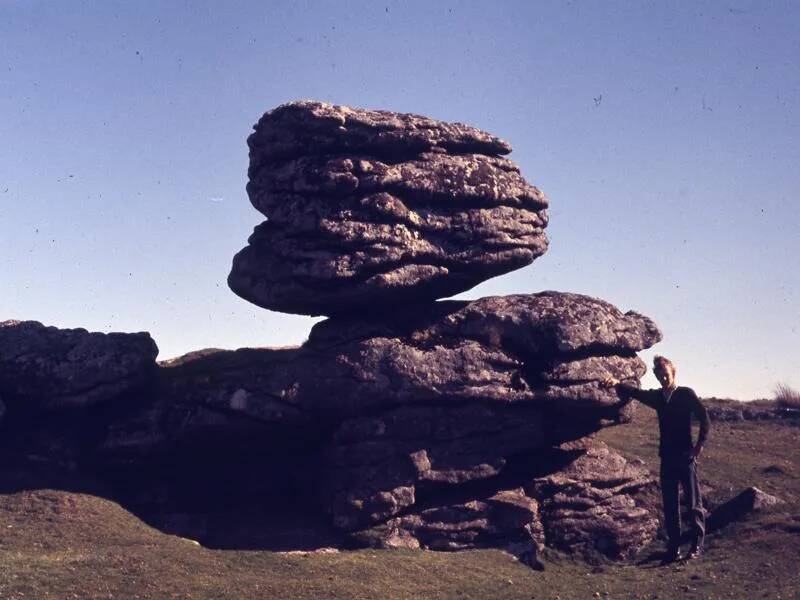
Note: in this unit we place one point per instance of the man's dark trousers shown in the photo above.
(681, 471)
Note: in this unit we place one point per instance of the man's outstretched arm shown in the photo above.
(629, 392)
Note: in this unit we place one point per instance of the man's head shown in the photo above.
(664, 370)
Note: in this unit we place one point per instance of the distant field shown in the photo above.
(59, 545)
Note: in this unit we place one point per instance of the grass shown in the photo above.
(786, 396)
(61, 545)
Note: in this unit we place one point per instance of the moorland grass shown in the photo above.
(57, 545)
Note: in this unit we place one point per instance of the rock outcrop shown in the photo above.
(543, 352)
(403, 421)
(46, 368)
(366, 209)
(459, 401)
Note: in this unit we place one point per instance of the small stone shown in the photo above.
(748, 501)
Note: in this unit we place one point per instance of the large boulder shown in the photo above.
(370, 208)
(399, 424)
(441, 427)
(590, 504)
(540, 353)
(45, 368)
(550, 349)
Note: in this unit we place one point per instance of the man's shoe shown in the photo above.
(695, 552)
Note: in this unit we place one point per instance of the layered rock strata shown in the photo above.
(591, 504)
(399, 418)
(367, 208)
(545, 351)
(405, 421)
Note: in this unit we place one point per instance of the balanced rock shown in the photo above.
(366, 208)
(45, 367)
(403, 421)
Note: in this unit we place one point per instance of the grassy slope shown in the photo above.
(60, 545)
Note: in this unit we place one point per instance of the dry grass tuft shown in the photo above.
(786, 396)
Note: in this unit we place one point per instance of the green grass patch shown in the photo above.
(60, 545)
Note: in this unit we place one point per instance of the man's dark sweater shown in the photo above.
(674, 418)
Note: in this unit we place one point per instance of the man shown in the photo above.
(675, 407)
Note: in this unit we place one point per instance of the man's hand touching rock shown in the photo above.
(609, 382)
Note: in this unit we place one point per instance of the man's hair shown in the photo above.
(664, 363)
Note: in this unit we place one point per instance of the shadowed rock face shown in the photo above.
(400, 422)
(45, 367)
(585, 503)
(508, 518)
(369, 208)
(441, 427)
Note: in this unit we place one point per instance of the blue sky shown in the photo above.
(666, 135)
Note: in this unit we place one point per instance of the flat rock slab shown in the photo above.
(45, 367)
(367, 208)
(307, 127)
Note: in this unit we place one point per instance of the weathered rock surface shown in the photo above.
(585, 503)
(590, 504)
(45, 367)
(424, 416)
(297, 129)
(549, 349)
(441, 427)
(402, 421)
(538, 353)
(506, 519)
(371, 208)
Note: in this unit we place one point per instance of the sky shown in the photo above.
(666, 135)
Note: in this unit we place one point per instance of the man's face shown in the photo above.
(664, 376)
